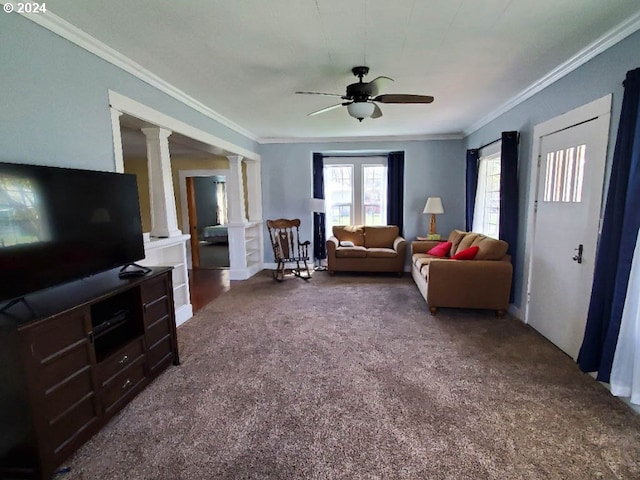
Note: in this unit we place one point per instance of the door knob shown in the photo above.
(578, 257)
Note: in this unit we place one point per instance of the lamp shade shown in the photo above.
(316, 205)
(361, 110)
(434, 205)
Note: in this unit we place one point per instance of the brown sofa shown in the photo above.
(356, 248)
(484, 282)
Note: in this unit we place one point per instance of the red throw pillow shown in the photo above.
(440, 250)
(467, 253)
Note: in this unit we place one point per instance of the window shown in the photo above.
(355, 190)
(564, 175)
(486, 216)
(21, 216)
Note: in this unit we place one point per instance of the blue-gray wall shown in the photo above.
(600, 76)
(54, 110)
(54, 105)
(432, 168)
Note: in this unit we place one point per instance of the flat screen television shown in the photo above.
(60, 224)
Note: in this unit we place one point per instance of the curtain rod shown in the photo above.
(488, 144)
(496, 141)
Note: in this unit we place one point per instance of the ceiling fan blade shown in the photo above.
(320, 93)
(377, 84)
(403, 98)
(377, 113)
(326, 109)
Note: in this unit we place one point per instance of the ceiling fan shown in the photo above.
(361, 96)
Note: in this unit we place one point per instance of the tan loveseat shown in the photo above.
(484, 282)
(356, 248)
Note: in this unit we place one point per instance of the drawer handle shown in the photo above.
(124, 360)
(126, 384)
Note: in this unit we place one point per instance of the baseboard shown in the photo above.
(626, 400)
(245, 273)
(515, 311)
(184, 313)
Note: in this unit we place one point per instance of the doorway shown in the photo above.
(208, 221)
(566, 219)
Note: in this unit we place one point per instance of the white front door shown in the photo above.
(568, 203)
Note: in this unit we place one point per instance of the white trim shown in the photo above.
(136, 109)
(378, 138)
(73, 34)
(116, 132)
(183, 313)
(66, 30)
(592, 110)
(182, 176)
(182, 185)
(515, 311)
(613, 36)
(244, 273)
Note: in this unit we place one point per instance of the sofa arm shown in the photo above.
(332, 245)
(400, 245)
(423, 246)
(469, 283)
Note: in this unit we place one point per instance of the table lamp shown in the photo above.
(433, 207)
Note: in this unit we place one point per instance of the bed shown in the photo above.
(215, 234)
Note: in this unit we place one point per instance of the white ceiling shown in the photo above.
(244, 59)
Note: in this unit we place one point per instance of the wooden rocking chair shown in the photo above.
(287, 248)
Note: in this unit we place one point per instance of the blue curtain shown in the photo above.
(509, 191)
(617, 241)
(319, 234)
(471, 186)
(395, 189)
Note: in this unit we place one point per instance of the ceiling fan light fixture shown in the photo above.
(361, 110)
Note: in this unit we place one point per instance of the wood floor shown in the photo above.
(206, 285)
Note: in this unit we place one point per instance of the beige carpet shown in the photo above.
(349, 377)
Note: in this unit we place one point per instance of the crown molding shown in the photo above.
(609, 39)
(80, 38)
(66, 30)
(376, 138)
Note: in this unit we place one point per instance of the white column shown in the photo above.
(117, 140)
(164, 218)
(254, 191)
(235, 191)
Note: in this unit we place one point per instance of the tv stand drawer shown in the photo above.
(126, 384)
(120, 360)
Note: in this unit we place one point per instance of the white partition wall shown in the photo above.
(246, 250)
(171, 252)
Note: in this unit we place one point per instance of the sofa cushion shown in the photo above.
(455, 237)
(380, 237)
(467, 253)
(441, 250)
(466, 242)
(422, 261)
(351, 252)
(490, 248)
(381, 253)
(416, 257)
(349, 233)
(424, 271)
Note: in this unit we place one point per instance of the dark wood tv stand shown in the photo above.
(71, 357)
